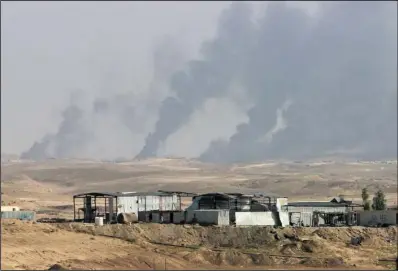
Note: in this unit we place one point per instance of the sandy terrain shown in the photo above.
(27, 245)
(47, 187)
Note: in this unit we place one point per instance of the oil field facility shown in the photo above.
(220, 209)
(146, 206)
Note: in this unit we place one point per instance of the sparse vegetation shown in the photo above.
(379, 202)
(365, 199)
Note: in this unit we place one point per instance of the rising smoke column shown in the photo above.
(340, 75)
(273, 71)
(168, 57)
(111, 125)
(223, 60)
(68, 140)
(353, 90)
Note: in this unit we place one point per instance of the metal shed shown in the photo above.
(233, 202)
(109, 205)
(320, 213)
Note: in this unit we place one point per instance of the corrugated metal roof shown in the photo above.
(225, 195)
(181, 193)
(237, 195)
(96, 194)
(143, 194)
(316, 204)
(122, 194)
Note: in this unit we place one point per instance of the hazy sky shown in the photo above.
(51, 48)
(219, 81)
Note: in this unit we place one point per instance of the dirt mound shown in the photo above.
(252, 245)
(14, 226)
(215, 237)
(325, 263)
(228, 258)
(29, 245)
(370, 236)
(195, 257)
(57, 267)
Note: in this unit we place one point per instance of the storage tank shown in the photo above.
(126, 218)
(99, 221)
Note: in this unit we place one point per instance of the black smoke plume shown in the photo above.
(223, 60)
(340, 74)
(336, 71)
(68, 140)
(318, 85)
(108, 124)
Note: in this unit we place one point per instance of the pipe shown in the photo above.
(74, 209)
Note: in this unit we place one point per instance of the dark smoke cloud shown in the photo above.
(274, 70)
(317, 85)
(223, 61)
(340, 75)
(108, 127)
(68, 140)
(337, 72)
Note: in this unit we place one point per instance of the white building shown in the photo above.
(109, 205)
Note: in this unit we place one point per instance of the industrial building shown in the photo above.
(235, 208)
(148, 206)
(322, 213)
(165, 207)
(222, 209)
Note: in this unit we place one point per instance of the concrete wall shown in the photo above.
(212, 217)
(372, 218)
(284, 218)
(281, 202)
(165, 217)
(178, 217)
(155, 218)
(255, 219)
(10, 208)
(143, 216)
(189, 214)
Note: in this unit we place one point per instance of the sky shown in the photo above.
(218, 81)
(51, 48)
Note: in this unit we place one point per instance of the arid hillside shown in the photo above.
(47, 188)
(296, 180)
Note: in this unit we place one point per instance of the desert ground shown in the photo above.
(47, 188)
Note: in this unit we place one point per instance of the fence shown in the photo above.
(22, 215)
